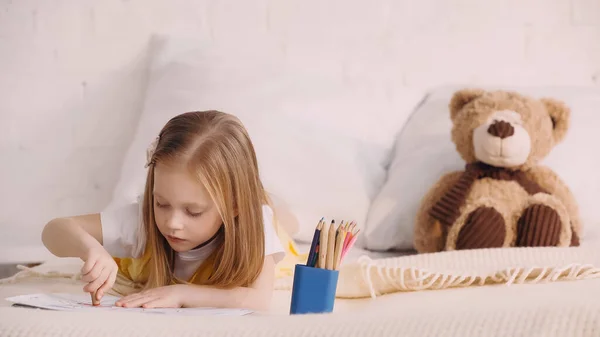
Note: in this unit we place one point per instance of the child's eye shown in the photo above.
(194, 214)
(158, 204)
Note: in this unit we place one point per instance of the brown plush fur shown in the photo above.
(553, 184)
(430, 235)
(471, 108)
(546, 122)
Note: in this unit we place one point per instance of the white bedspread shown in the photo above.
(556, 308)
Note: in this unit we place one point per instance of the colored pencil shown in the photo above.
(323, 246)
(339, 245)
(348, 237)
(315, 241)
(315, 258)
(95, 301)
(313, 263)
(330, 246)
(350, 244)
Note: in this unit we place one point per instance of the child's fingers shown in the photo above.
(136, 296)
(96, 283)
(138, 302)
(161, 302)
(132, 297)
(108, 283)
(88, 266)
(93, 274)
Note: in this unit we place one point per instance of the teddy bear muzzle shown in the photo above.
(502, 141)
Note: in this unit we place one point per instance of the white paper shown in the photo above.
(83, 302)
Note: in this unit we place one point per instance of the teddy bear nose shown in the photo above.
(501, 129)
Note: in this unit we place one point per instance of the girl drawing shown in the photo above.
(206, 236)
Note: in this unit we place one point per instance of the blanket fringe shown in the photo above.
(381, 278)
(26, 272)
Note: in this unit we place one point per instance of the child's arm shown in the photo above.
(256, 297)
(81, 236)
(81, 232)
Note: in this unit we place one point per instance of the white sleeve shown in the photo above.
(120, 230)
(272, 243)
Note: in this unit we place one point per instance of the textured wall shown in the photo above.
(72, 72)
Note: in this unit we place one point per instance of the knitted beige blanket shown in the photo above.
(454, 269)
(366, 277)
(556, 302)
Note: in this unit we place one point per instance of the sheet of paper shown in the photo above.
(83, 302)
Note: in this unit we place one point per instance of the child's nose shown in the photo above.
(174, 222)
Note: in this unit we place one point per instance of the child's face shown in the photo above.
(184, 212)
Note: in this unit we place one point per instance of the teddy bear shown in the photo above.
(504, 197)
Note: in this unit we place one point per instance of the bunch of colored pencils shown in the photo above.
(331, 244)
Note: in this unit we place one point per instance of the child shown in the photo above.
(203, 234)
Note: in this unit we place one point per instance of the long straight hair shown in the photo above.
(218, 151)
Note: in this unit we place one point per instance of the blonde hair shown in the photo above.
(217, 149)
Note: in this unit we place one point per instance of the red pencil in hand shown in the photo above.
(95, 300)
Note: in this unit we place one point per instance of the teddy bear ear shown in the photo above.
(462, 98)
(560, 115)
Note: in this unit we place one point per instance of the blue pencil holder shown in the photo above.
(313, 290)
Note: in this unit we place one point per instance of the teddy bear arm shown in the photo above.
(551, 182)
(430, 234)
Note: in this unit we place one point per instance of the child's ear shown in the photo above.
(560, 114)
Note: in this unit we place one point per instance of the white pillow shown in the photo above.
(424, 152)
(323, 144)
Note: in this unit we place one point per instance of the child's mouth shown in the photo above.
(174, 239)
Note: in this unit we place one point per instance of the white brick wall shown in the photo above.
(72, 72)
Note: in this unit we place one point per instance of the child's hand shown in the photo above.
(99, 271)
(163, 297)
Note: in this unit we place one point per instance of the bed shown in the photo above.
(384, 289)
(497, 292)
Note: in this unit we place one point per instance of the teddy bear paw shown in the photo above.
(483, 228)
(538, 226)
(574, 239)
